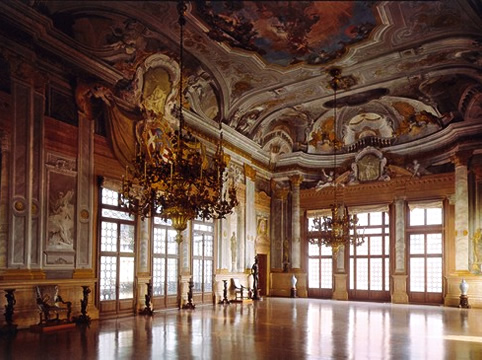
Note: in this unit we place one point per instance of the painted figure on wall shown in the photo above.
(262, 230)
(61, 219)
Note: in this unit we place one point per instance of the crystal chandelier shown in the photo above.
(171, 176)
(341, 228)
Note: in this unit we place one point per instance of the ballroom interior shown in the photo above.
(301, 155)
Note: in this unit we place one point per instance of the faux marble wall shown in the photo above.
(461, 219)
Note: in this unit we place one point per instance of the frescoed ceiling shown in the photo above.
(409, 71)
(289, 32)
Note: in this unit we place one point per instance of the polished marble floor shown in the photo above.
(275, 328)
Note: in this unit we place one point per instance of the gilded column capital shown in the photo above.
(461, 158)
(250, 172)
(282, 193)
(296, 180)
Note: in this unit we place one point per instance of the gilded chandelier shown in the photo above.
(341, 228)
(171, 176)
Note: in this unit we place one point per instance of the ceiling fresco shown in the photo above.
(410, 70)
(289, 32)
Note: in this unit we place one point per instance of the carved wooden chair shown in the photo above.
(240, 292)
(50, 304)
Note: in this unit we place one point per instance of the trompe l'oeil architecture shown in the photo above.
(245, 131)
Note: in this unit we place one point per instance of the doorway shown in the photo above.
(263, 274)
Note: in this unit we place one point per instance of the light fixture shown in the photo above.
(341, 228)
(171, 176)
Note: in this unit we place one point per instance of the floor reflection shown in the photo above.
(274, 328)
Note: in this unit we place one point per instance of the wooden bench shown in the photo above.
(50, 305)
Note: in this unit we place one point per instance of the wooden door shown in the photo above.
(263, 273)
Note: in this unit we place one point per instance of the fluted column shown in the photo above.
(296, 180)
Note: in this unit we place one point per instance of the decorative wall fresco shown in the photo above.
(380, 123)
(289, 32)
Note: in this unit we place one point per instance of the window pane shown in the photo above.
(121, 215)
(197, 245)
(326, 273)
(417, 243)
(434, 216)
(434, 243)
(108, 271)
(158, 276)
(434, 275)
(326, 250)
(362, 274)
(313, 249)
(314, 273)
(159, 241)
(417, 217)
(108, 241)
(208, 245)
(110, 197)
(208, 275)
(159, 221)
(362, 219)
(197, 274)
(362, 249)
(203, 227)
(376, 274)
(370, 231)
(172, 276)
(127, 238)
(172, 246)
(387, 245)
(417, 274)
(126, 278)
(376, 218)
(376, 245)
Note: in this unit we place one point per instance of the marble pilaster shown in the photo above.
(85, 191)
(340, 290)
(250, 214)
(400, 236)
(461, 214)
(296, 180)
(399, 294)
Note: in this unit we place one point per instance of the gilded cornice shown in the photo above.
(429, 186)
(227, 145)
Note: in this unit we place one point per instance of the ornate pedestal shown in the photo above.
(464, 302)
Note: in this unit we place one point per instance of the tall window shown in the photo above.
(117, 234)
(320, 267)
(165, 259)
(203, 258)
(425, 248)
(370, 262)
